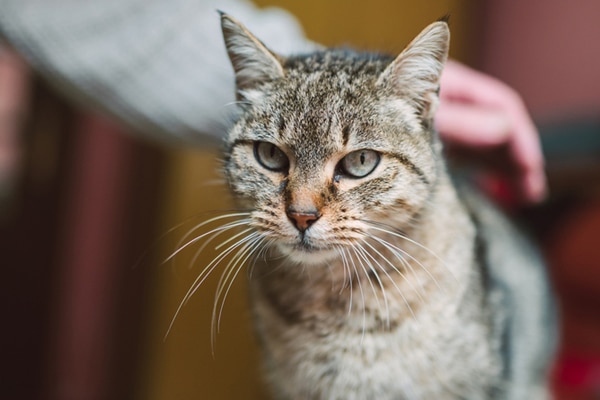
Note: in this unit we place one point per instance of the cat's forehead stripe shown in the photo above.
(345, 135)
(412, 167)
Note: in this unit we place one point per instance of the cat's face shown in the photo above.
(332, 144)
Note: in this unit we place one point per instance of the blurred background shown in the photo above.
(85, 203)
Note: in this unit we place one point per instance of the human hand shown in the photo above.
(484, 118)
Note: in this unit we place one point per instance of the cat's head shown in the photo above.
(331, 143)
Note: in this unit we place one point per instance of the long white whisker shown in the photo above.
(387, 309)
(395, 251)
(204, 223)
(204, 274)
(390, 278)
(398, 253)
(228, 225)
(404, 237)
(401, 252)
(363, 254)
(362, 295)
(212, 237)
(226, 282)
(172, 229)
(237, 102)
(262, 253)
(347, 277)
(222, 244)
(217, 260)
(235, 260)
(242, 258)
(200, 237)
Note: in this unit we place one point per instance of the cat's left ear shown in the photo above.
(415, 74)
(252, 61)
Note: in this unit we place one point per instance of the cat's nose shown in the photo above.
(302, 219)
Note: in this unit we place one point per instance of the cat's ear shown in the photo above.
(252, 61)
(415, 73)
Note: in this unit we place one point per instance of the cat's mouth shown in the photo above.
(307, 247)
(303, 245)
(306, 252)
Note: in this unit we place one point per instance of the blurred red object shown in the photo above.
(14, 93)
(577, 377)
(574, 253)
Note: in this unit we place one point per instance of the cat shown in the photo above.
(373, 273)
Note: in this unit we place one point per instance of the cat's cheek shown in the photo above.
(252, 182)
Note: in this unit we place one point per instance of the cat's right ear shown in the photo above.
(252, 61)
(415, 74)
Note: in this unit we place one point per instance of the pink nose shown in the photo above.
(302, 220)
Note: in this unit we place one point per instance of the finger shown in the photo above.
(470, 125)
(526, 151)
(529, 160)
(462, 83)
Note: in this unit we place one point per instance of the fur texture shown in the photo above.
(376, 280)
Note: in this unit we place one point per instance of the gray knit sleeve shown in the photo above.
(158, 65)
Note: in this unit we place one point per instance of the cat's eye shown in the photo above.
(360, 163)
(271, 157)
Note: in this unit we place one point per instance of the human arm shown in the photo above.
(158, 65)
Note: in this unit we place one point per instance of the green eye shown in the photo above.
(271, 157)
(360, 163)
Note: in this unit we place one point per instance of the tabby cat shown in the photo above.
(373, 275)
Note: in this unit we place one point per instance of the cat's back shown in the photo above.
(519, 295)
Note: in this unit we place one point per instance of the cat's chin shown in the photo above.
(307, 255)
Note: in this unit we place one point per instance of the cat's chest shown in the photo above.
(341, 361)
(414, 332)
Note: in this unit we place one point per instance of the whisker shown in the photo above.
(240, 260)
(212, 237)
(362, 295)
(222, 228)
(234, 262)
(233, 238)
(227, 279)
(237, 102)
(376, 226)
(217, 260)
(204, 274)
(204, 223)
(363, 254)
(389, 277)
(395, 249)
(400, 254)
(171, 230)
(262, 253)
(215, 182)
(347, 277)
(397, 253)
